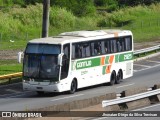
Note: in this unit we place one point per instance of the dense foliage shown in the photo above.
(83, 7)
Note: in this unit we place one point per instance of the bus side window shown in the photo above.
(119, 46)
(73, 52)
(97, 48)
(88, 51)
(92, 48)
(103, 48)
(77, 51)
(122, 44)
(86, 48)
(80, 51)
(113, 46)
(107, 46)
(128, 44)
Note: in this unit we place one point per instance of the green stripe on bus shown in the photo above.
(93, 62)
(124, 57)
(88, 63)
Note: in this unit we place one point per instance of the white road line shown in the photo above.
(148, 68)
(146, 107)
(153, 61)
(67, 97)
(125, 85)
(142, 65)
(134, 70)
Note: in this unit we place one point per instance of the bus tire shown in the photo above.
(40, 93)
(73, 87)
(113, 78)
(119, 76)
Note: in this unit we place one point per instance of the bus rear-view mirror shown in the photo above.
(60, 56)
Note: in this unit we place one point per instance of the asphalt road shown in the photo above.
(146, 73)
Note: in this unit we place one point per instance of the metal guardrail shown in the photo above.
(145, 50)
(10, 76)
(106, 103)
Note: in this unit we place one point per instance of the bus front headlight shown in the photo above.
(52, 83)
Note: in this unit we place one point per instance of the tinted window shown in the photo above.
(81, 50)
(107, 46)
(99, 47)
(113, 46)
(43, 49)
(128, 43)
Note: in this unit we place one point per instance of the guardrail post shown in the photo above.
(9, 81)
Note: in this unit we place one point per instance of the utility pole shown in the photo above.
(45, 22)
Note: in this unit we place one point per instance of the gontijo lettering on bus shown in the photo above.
(84, 64)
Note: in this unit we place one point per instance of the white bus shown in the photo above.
(78, 59)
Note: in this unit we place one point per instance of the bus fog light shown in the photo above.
(25, 81)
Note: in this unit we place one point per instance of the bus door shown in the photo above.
(65, 61)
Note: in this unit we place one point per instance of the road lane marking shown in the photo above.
(153, 61)
(125, 85)
(148, 68)
(67, 97)
(142, 65)
(134, 70)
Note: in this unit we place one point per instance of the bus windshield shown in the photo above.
(41, 61)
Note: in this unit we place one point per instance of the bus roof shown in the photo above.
(78, 36)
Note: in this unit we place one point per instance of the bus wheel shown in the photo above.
(73, 87)
(119, 77)
(40, 92)
(113, 78)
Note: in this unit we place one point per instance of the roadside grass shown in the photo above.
(9, 67)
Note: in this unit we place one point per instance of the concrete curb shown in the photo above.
(138, 103)
(78, 104)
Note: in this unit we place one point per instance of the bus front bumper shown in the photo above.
(45, 88)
